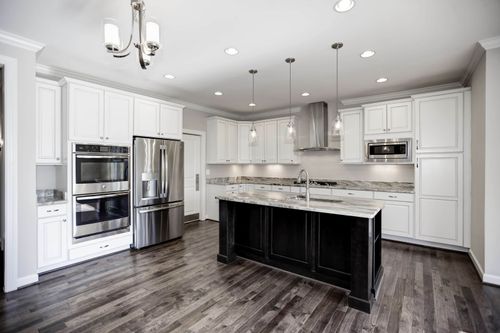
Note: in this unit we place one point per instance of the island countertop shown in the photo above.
(364, 208)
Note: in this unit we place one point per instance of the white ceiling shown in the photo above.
(418, 43)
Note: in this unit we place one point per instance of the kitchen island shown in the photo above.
(330, 239)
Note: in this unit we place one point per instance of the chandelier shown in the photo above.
(148, 31)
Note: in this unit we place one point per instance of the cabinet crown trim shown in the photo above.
(392, 101)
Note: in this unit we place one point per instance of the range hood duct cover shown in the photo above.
(312, 131)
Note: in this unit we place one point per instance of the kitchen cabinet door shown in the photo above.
(351, 138)
(258, 147)
(271, 142)
(399, 118)
(439, 198)
(146, 118)
(439, 123)
(397, 219)
(52, 241)
(118, 118)
(86, 105)
(170, 122)
(48, 123)
(286, 152)
(232, 142)
(244, 149)
(375, 119)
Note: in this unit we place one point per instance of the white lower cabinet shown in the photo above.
(397, 214)
(439, 198)
(52, 237)
(100, 247)
(212, 203)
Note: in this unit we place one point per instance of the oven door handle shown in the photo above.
(102, 156)
(101, 196)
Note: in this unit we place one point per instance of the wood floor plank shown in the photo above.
(180, 287)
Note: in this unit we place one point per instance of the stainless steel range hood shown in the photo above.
(312, 128)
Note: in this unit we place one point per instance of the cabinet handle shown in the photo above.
(158, 133)
(388, 130)
(107, 138)
(102, 138)
(350, 193)
(57, 158)
(104, 246)
(49, 210)
(56, 210)
(416, 147)
(417, 163)
(64, 220)
(393, 196)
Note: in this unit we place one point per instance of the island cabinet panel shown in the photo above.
(290, 236)
(249, 230)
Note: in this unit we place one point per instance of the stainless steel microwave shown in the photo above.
(389, 151)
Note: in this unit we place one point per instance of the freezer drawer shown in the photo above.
(156, 224)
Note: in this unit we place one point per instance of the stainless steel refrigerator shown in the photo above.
(158, 191)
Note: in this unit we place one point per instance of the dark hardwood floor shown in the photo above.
(181, 287)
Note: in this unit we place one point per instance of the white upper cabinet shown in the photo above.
(48, 122)
(376, 119)
(170, 122)
(439, 123)
(271, 142)
(388, 120)
(351, 137)
(222, 141)
(146, 116)
(258, 147)
(286, 152)
(118, 117)
(85, 109)
(244, 149)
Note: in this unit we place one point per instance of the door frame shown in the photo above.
(203, 166)
(11, 175)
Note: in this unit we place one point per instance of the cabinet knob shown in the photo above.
(57, 158)
(158, 133)
(388, 129)
(107, 138)
(64, 220)
(102, 137)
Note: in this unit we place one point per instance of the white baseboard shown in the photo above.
(477, 265)
(492, 279)
(27, 280)
(424, 243)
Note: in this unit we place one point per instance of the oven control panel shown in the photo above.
(100, 149)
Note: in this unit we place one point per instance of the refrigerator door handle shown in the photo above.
(162, 176)
(165, 167)
(165, 207)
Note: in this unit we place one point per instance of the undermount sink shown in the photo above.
(303, 198)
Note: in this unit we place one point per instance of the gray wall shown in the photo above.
(492, 165)
(478, 82)
(26, 224)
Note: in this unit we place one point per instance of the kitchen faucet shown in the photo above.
(299, 180)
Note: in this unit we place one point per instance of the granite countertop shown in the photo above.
(364, 208)
(49, 197)
(399, 187)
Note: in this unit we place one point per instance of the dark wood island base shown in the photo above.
(344, 251)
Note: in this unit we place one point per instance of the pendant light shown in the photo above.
(290, 132)
(252, 135)
(337, 126)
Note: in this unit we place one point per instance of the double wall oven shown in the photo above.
(101, 190)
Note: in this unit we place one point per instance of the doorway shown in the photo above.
(194, 171)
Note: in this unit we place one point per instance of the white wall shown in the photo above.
(478, 82)
(492, 167)
(26, 224)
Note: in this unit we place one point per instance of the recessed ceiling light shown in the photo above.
(252, 104)
(169, 76)
(343, 6)
(367, 54)
(382, 80)
(218, 93)
(305, 94)
(231, 51)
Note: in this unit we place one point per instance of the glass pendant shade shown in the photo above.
(152, 35)
(252, 135)
(111, 35)
(337, 126)
(290, 132)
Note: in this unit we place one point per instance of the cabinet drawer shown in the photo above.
(51, 210)
(297, 189)
(320, 191)
(392, 196)
(261, 187)
(101, 247)
(278, 188)
(232, 188)
(353, 193)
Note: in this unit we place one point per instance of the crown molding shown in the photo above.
(398, 94)
(269, 114)
(20, 41)
(474, 61)
(490, 43)
(57, 73)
